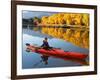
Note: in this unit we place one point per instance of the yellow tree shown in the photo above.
(85, 19)
(44, 20)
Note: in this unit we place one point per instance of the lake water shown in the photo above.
(34, 60)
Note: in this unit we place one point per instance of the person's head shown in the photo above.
(46, 38)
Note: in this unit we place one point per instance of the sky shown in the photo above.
(32, 14)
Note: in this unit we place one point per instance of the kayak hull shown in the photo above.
(58, 53)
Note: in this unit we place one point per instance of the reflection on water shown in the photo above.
(78, 37)
(35, 60)
(45, 59)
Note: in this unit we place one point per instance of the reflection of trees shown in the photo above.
(78, 37)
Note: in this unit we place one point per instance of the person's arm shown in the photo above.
(48, 44)
(42, 45)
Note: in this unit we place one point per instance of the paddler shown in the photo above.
(45, 44)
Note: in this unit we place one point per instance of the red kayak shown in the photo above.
(57, 52)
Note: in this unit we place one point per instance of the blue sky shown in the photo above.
(32, 14)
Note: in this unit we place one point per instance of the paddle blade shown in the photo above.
(27, 44)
